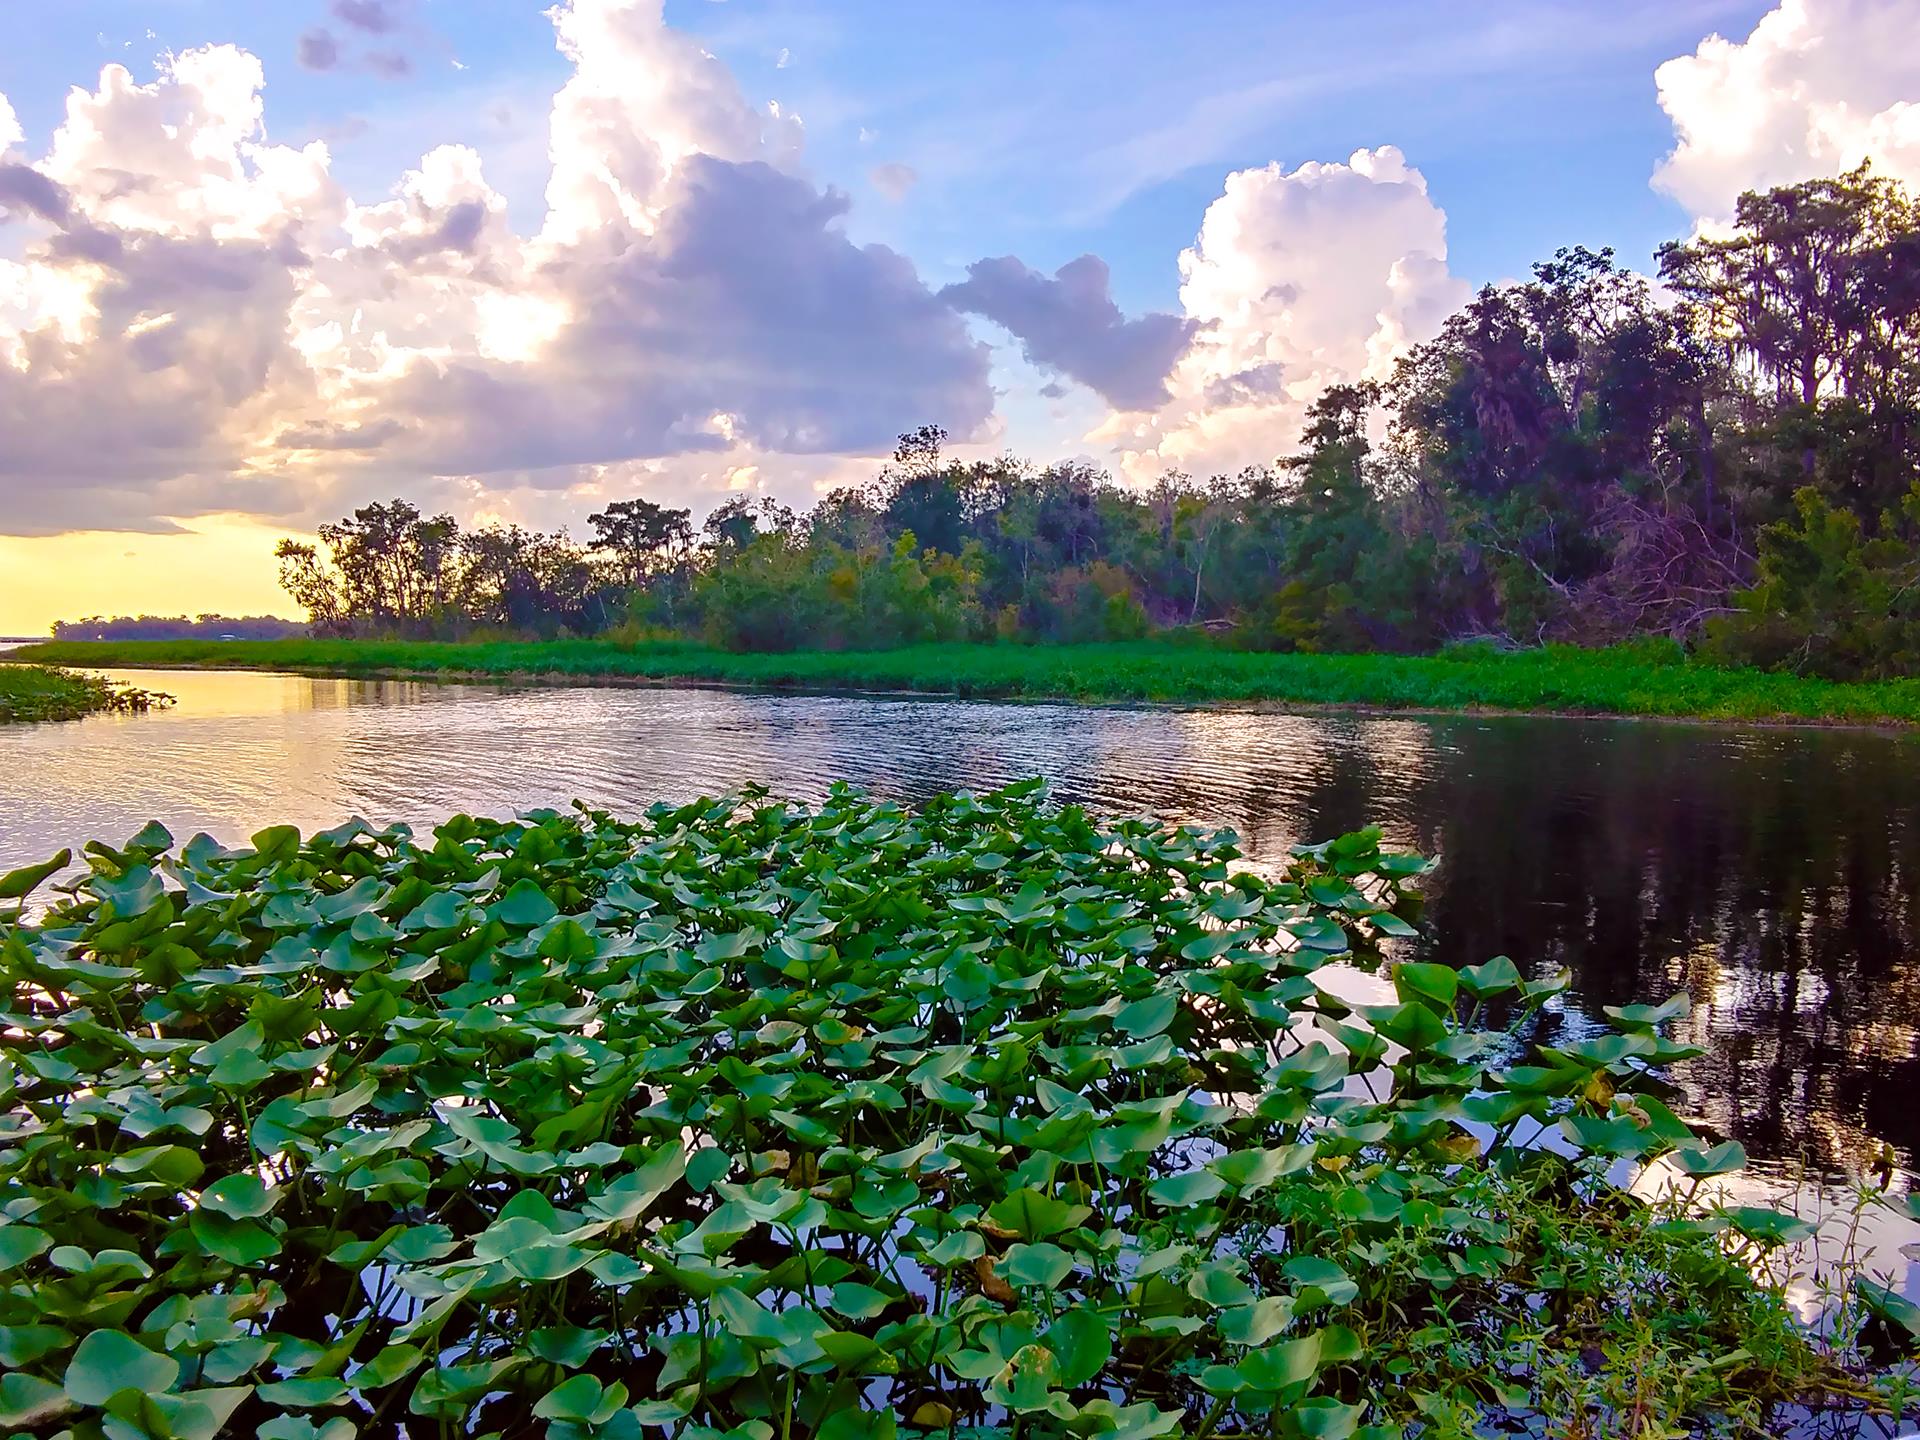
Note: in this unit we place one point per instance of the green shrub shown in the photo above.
(1830, 600)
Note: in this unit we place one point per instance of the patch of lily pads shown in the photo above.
(744, 1119)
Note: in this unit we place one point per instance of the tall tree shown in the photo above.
(1813, 291)
(641, 539)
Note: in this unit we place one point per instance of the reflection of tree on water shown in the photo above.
(1772, 876)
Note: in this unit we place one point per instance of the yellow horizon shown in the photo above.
(215, 564)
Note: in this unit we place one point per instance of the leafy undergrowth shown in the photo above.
(742, 1119)
(1650, 678)
(38, 692)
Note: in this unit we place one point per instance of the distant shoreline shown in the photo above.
(1632, 681)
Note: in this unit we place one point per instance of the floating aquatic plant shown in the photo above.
(744, 1119)
(41, 692)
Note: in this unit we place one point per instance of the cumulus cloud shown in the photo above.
(194, 318)
(1299, 279)
(144, 335)
(203, 320)
(1817, 87)
(24, 190)
(1070, 325)
(745, 318)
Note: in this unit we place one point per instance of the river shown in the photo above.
(1772, 874)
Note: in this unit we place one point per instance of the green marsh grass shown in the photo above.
(1642, 680)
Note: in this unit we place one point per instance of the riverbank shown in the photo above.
(1631, 680)
(39, 692)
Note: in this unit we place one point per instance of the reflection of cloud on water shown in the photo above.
(1856, 1234)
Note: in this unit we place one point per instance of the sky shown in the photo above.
(262, 263)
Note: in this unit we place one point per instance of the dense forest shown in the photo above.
(1725, 456)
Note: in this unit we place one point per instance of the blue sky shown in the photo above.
(513, 259)
(1043, 130)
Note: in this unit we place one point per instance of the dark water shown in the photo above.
(1772, 874)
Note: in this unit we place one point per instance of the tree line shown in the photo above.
(177, 627)
(1725, 456)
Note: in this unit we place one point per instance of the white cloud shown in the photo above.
(1817, 87)
(144, 339)
(204, 320)
(1299, 279)
(641, 100)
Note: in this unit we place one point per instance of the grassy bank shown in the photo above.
(38, 692)
(1636, 680)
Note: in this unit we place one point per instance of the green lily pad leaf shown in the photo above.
(1146, 1017)
(858, 1302)
(18, 884)
(1221, 1283)
(173, 1165)
(1029, 1383)
(1412, 1025)
(1496, 977)
(1721, 1159)
(567, 1345)
(297, 1427)
(1315, 1273)
(1608, 1135)
(1435, 986)
(21, 1345)
(238, 1242)
(1249, 1170)
(303, 1392)
(1033, 1216)
(1190, 1187)
(1769, 1227)
(1295, 1362)
(1890, 1307)
(238, 1197)
(524, 906)
(20, 1243)
(1324, 1418)
(27, 1402)
(1044, 1264)
(576, 1398)
(1144, 1421)
(705, 1166)
(1257, 1322)
(961, 1246)
(1643, 1018)
(394, 1362)
(1082, 1343)
(109, 1361)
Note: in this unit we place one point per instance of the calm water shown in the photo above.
(1775, 875)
